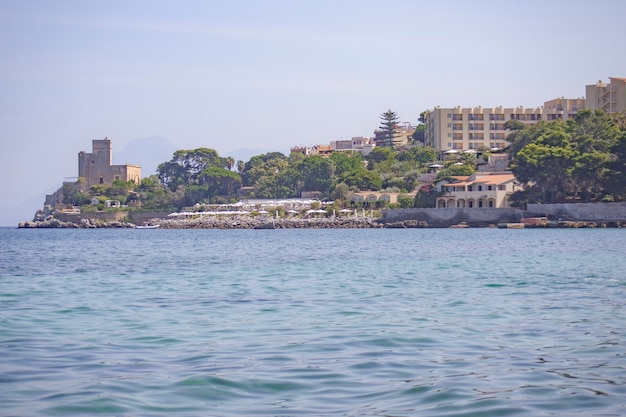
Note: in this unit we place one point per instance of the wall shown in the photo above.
(445, 217)
(105, 216)
(137, 217)
(580, 211)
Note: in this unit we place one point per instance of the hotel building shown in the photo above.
(608, 97)
(462, 128)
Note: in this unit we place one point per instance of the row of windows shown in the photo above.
(476, 145)
(476, 126)
(498, 116)
(526, 117)
(500, 187)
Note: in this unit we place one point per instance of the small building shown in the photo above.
(480, 190)
(378, 196)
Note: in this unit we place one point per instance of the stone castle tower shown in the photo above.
(97, 167)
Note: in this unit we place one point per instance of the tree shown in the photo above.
(340, 192)
(548, 161)
(219, 181)
(418, 155)
(316, 173)
(426, 197)
(186, 165)
(390, 131)
(419, 135)
(362, 179)
(616, 178)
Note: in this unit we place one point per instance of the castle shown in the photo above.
(97, 167)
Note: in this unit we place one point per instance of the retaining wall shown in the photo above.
(445, 217)
(602, 212)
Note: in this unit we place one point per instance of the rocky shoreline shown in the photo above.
(215, 223)
(289, 223)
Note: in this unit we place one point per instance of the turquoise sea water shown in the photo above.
(413, 322)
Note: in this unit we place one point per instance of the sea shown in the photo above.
(313, 322)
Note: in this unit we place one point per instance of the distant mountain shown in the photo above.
(147, 152)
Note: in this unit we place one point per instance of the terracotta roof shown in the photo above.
(494, 179)
(483, 179)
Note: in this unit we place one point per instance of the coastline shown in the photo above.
(582, 215)
(303, 223)
(215, 223)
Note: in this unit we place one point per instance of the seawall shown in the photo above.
(446, 217)
(594, 212)
(598, 214)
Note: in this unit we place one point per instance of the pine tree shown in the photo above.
(390, 131)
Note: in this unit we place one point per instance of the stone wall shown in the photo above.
(445, 217)
(603, 212)
(105, 216)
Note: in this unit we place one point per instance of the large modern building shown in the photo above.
(608, 97)
(462, 128)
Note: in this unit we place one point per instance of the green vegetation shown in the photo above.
(203, 176)
(389, 127)
(581, 160)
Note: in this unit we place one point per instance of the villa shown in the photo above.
(480, 190)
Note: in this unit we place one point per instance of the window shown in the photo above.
(457, 117)
(496, 117)
(101, 180)
(490, 203)
(117, 178)
(480, 188)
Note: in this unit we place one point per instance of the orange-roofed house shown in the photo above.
(480, 190)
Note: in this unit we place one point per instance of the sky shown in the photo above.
(263, 74)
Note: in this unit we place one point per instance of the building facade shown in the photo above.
(97, 167)
(608, 97)
(362, 144)
(480, 190)
(463, 128)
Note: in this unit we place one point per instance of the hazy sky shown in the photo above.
(271, 74)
